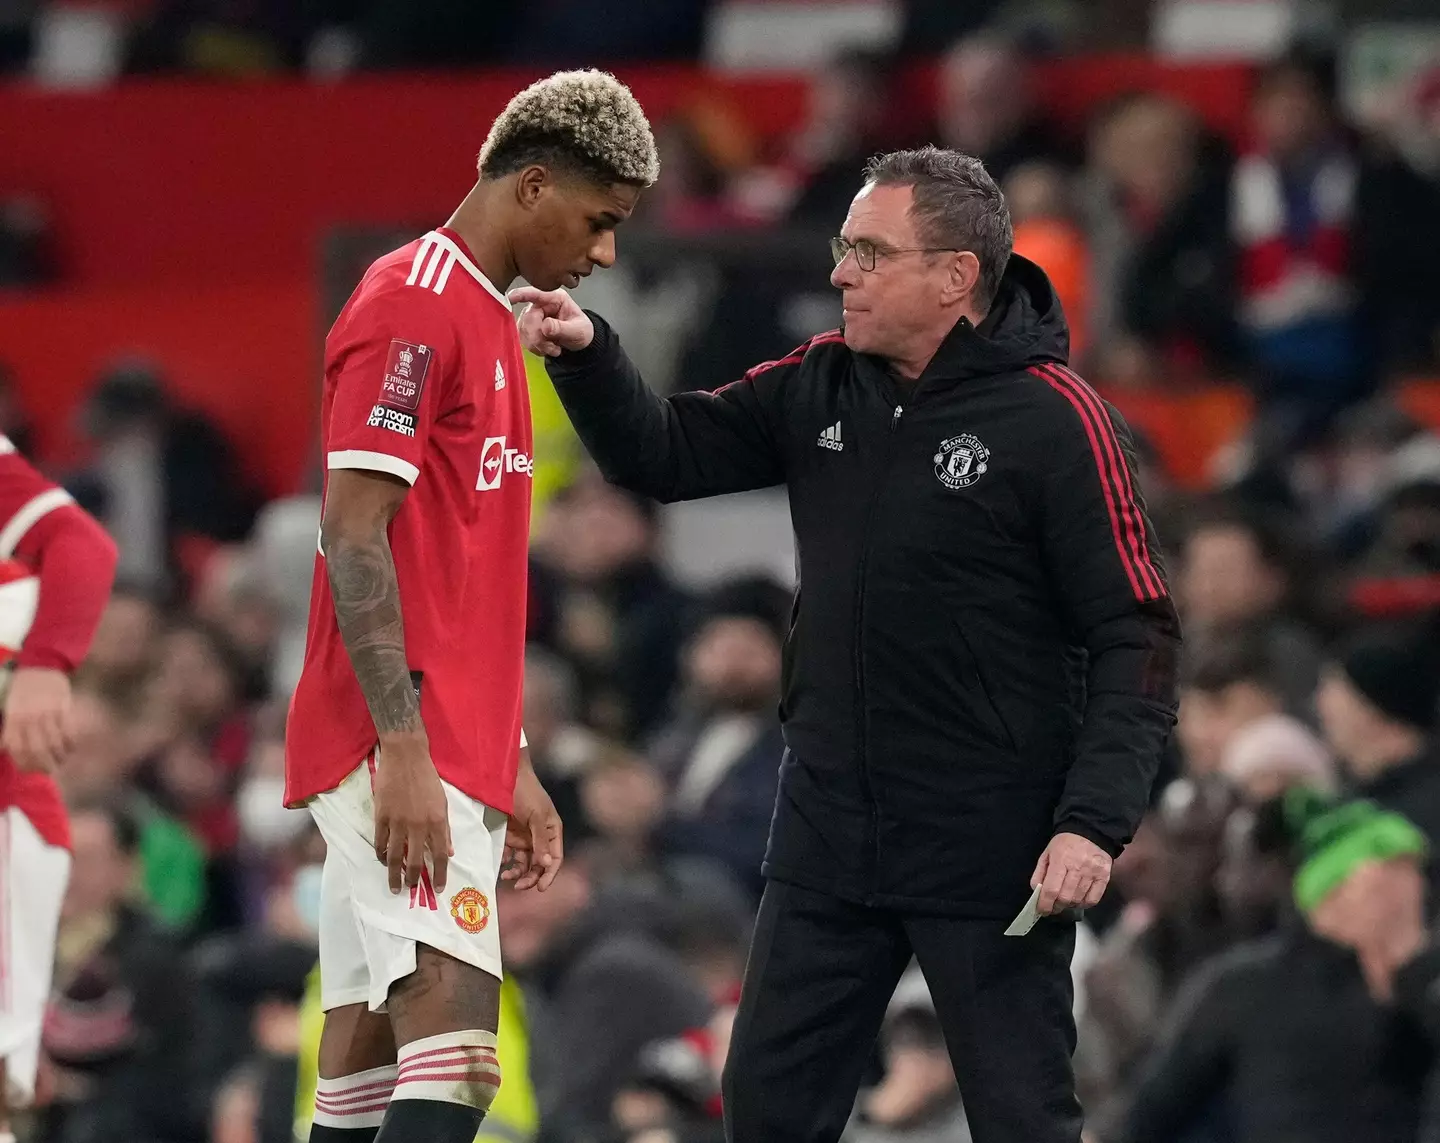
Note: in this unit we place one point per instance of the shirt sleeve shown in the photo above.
(73, 556)
(390, 374)
(75, 559)
(1102, 555)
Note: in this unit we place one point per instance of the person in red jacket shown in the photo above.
(43, 528)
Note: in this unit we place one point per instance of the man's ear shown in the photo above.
(530, 185)
(964, 277)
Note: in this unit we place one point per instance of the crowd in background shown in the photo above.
(1300, 260)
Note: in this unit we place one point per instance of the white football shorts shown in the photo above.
(368, 934)
(33, 876)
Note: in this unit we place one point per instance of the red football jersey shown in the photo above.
(43, 528)
(424, 379)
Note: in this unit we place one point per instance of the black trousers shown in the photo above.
(820, 976)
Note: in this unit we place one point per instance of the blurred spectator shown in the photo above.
(1332, 287)
(109, 749)
(1253, 882)
(845, 125)
(1228, 684)
(1043, 216)
(1406, 536)
(599, 984)
(674, 1095)
(119, 1030)
(267, 826)
(1379, 705)
(1270, 754)
(713, 918)
(988, 107)
(562, 750)
(721, 755)
(1238, 564)
(247, 1010)
(1169, 925)
(602, 600)
(233, 597)
(1286, 1032)
(1377, 446)
(279, 569)
(917, 1099)
(195, 688)
(203, 737)
(1158, 222)
(126, 644)
(160, 474)
(694, 195)
(1244, 567)
(622, 797)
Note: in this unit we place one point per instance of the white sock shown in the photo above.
(456, 1067)
(353, 1101)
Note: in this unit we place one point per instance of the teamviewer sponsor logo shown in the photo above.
(496, 460)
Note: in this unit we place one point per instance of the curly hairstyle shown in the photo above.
(585, 121)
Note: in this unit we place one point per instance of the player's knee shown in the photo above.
(456, 1067)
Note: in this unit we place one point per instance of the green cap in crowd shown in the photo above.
(1334, 838)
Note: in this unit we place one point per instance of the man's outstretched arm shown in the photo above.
(682, 448)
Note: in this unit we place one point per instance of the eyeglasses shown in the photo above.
(866, 252)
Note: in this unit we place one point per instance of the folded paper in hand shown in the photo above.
(1026, 918)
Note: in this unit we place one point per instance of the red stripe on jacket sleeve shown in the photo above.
(1127, 525)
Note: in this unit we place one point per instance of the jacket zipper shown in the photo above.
(861, 734)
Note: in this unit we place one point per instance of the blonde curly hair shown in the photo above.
(587, 120)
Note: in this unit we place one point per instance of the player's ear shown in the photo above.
(530, 184)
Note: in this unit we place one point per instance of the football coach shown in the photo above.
(980, 671)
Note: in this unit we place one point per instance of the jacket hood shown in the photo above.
(1024, 327)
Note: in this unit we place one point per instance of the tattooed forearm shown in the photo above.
(367, 606)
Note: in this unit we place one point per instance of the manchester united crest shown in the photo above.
(471, 909)
(961, 461)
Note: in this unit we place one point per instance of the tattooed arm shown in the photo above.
(410, 813)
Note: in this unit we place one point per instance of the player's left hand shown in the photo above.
(535, 837)
(37, 732)
(1072, 873)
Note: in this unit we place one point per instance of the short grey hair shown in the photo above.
(956, 205)
(585, 120)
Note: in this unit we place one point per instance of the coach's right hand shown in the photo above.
(411, 815)
(551, 321)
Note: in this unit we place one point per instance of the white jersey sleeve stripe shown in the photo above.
(431, 266)
(419, 260)
(30, 514)
(373, 462)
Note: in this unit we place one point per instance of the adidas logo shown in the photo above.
(830, 438)
(499, 375)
